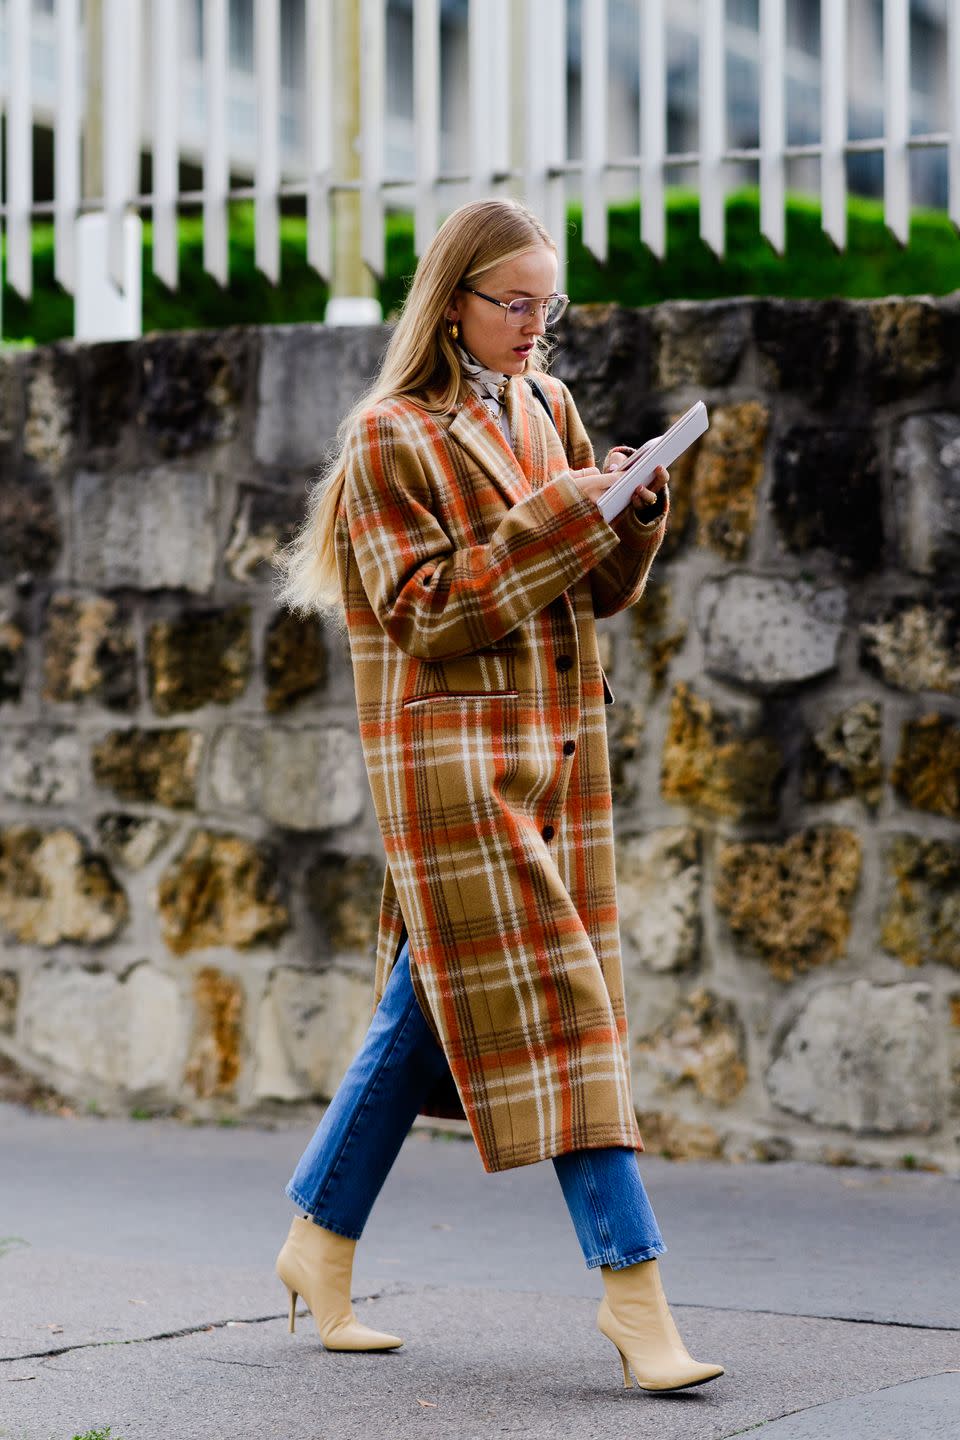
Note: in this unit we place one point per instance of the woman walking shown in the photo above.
(458, 537)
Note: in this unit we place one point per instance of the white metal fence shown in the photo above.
(514, 68)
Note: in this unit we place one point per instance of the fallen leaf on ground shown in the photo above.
(431, 1403)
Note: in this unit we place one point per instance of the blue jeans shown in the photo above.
(343, 1168)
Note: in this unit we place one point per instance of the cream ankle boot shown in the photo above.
(634, 1314)
(318, 1264)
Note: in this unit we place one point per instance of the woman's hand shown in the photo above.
(595, 482)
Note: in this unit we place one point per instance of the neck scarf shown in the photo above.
(489, 385)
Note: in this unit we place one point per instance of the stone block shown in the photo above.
(313, 779)
(89, 652)
(861, 1057)
(927, 493)
(702, 1045)
(310, 779)
(310, 376)
(221, 890)
(13, 657)
(659, 879)
(843, 757)
(30, 538)
(915, 645)
(263, 521)
(295, 660)
(214, 1059)
(721, 474)
(192, 388)
(656, 634)
(699, 343)
(235, 772)
(770, 634)
(309, 1029)
(147, 529)
(790, 901)
(111, 379)
(926, 772)
(343, 900)
(9, 994)
(922, 920)
(51, 426)
(152, 765)
(718, 762)
(603, 355)
(808, 348)
(826, 493)
(123, 1032)
(53, 889)
(626, 740)
(132, 840)
(677, 1139)
(202, 658)
(40, 766)
(906, 345)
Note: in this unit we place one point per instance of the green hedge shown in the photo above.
(874, 264)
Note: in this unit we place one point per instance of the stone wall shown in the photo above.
(190, 867)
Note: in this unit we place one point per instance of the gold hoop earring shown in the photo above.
(454, 331)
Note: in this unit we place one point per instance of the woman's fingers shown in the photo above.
(647, 494)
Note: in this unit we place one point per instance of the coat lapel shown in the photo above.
(474, 428)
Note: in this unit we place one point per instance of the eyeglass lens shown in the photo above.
(519, 312)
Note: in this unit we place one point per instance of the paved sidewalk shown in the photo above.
(137, 1291)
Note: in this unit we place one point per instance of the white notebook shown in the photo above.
(661, 450)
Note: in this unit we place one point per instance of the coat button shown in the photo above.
(564, 662)
(547, 832)
(569, 746)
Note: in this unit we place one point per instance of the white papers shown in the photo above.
(662, 450)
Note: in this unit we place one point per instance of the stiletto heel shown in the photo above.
(317, 1264)
(634, 1315)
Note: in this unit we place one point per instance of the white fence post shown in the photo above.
(713, 126)
(833, 119)
(953, 121)
(66, 144)
(426, 90)
(319, 113)
(266, 203)
(594, 43)
(166, 111)
(216, 167)
(19, 150)
(373, 112)
(896, 107)
(653, 128)
(772, 124)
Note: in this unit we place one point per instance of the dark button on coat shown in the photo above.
(472, 578)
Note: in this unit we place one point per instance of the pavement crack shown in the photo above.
(140, 1339)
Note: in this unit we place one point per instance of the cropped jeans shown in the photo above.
(343, 1168)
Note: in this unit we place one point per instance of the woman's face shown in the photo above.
(484, 328)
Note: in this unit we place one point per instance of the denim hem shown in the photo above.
(620, 1262)
(327, 1225)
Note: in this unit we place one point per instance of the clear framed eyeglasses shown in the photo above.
(521, 312)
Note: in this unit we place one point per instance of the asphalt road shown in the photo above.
(137, 1292)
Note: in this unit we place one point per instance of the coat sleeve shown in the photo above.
(435, 601)
(618, 580)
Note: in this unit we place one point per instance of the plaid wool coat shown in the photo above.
(472, 577)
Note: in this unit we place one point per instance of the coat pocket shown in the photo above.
(484, 674)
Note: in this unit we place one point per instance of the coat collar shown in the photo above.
(475, 429)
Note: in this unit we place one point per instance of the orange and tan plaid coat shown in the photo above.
(472, 578)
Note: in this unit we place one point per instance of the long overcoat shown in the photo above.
(472, 577)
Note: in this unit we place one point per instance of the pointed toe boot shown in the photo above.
(634, 1315)
(318, 1264)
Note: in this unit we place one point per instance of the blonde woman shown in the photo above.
(458, 539)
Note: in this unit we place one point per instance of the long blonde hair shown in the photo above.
(420, 363)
